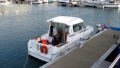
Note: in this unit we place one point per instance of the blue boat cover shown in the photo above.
(113, 28)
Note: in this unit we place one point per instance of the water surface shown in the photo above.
(21, 22)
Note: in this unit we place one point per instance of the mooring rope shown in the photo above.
(25, 61)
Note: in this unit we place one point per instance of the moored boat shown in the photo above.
(102, 3)
(4, 2)
(67, 2)
(35, 1)
(64, 33)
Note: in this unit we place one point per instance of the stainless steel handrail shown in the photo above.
(114, 62)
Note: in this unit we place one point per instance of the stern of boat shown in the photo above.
(41, 51)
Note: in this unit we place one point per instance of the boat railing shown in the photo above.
(113, 64)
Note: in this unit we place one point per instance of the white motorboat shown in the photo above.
(102, 3)
(4, 2)
(67, 2)
(45, 1)
(111, 5)
(64, 33)
(35, 1)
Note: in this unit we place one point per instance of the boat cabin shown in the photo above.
(62, 28)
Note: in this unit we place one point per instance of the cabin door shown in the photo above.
(62, 32)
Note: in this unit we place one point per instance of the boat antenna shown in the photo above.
(84, 23)
(70, 11)
(108, 24)
(93, 23)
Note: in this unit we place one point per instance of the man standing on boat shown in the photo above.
(53, 34)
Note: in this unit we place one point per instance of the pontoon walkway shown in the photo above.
(89, 54)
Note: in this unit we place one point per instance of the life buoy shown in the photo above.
(103, 27)
(44, 41)
(44, 49)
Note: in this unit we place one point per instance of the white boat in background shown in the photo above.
(102, 3)
(67, 2)
(114, 5)
(4, 2)
(35, 1)
(45, 1)
(51, 1)
(48, 1)
(40, 1)
(64, 33)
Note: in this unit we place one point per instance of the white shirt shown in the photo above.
(54, 31)
(50, 39)
(66, 29)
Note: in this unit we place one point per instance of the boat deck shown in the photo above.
(90, 53)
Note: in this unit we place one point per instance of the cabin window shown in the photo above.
(77, 27)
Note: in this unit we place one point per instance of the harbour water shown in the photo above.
(21, 22)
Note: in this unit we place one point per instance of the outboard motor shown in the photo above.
(99, 27)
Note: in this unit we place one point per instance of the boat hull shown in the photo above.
(38, 56)
(68, 34)
(112, 5)
(102, 5)
(89, 4)
(37, 2)
(53, 51)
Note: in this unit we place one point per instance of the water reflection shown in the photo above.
(118, 10)
(20, 22)
(31, 60)
(14, 9)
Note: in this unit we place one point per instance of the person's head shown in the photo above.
(52, 27)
